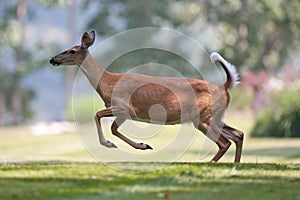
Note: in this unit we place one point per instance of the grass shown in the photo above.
(59, 167)
(176, 181)
(18, 144)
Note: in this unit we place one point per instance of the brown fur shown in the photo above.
(131, 96)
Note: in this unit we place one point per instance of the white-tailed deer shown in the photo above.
(131, 96)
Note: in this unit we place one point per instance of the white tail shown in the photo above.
(232, 75)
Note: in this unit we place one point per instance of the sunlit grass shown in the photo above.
(176, 181)
(18, 144)
(59, 167)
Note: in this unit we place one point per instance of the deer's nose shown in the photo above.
(53, 62)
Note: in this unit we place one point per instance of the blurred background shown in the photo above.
(261, 38)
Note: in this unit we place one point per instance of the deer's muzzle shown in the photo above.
(54, 62)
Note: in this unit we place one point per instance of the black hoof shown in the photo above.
(109, 144)
(147, 146)
(113, 145)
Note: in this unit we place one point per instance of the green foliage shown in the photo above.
(151, 62)
(133, 13)
(55, 2)
(282, 119)
(176, 181)
(83, 108)
(241, 98)
(17, 61)
(257, 34)
(253, 34)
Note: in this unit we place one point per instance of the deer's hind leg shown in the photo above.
(237, 136)
(214, 133)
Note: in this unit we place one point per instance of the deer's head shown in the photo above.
(76, 54)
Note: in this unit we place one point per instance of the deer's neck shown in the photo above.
(92, 70)
(102, 80)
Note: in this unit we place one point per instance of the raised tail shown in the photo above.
(230, 70)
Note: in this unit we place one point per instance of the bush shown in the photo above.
(83, 108)
(282, 119)
(241, 98)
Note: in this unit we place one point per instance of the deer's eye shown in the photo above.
(72, 51)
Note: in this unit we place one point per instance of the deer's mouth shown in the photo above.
(54, 62)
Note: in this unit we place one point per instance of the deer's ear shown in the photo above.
(87, 40)
(92, 36)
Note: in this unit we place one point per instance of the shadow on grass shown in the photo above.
(289, 152)
(179, 187)
(280, 152)
(177, 181)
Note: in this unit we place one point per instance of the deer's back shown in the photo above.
(165, 99)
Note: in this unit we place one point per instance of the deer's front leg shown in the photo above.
(103, 113)
(114, 129)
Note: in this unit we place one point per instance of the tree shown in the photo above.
(19, 61)
(135, 14)
(257, 34)
(253, 34)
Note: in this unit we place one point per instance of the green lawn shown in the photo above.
(18, 144)
(60, 167)
(176, 181)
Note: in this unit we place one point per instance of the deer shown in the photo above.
(129, 96)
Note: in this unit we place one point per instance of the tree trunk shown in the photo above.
(16, 97)
(70, 70)
(2, 107)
